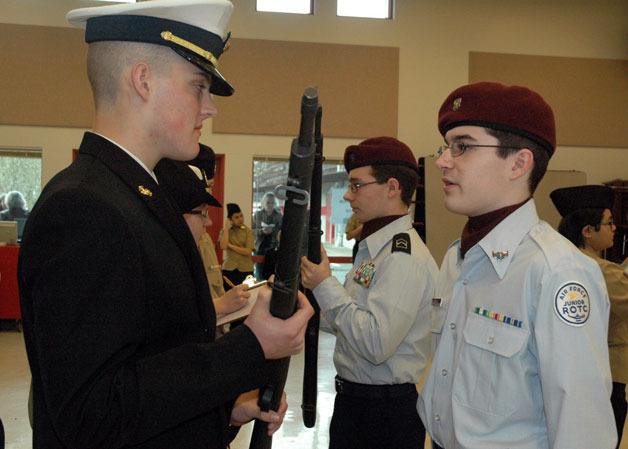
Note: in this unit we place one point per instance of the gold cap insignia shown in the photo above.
(144, 191)
(168, 36)
(500, 255)
(457, 103)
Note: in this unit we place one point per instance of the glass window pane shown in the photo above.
(20, 170)
(335, 211)
(292, 6)
(376, 9)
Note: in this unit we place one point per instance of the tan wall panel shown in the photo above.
(589, 96)
(43, 77)
(358, 88)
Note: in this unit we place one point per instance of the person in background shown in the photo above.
(270, 260)
(118, 321)
(3, 204)
(184, 183)
(353, 231)
(381, 315)
(236, 240)
(587, 221)
(520, 315)
(15, 207)
(204, 165)
(266, 227)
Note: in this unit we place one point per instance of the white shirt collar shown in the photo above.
(501, 243)
(381, 237)
(134, 157)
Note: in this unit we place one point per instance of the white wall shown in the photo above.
(434, 37)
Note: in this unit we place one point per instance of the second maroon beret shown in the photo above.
(379, 151)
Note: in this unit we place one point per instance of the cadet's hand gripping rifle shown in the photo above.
(284, 296)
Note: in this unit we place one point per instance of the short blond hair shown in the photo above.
(106, 61)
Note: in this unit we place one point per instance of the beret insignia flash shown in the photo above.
(457, 103)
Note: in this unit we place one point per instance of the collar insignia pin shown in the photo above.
(500, 255)
(144, 191)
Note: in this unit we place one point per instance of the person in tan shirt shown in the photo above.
(236, 240)
(588, 223)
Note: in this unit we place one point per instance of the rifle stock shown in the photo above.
(310, 369)
(284, 296)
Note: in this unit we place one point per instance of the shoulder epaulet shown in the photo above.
(401, 243)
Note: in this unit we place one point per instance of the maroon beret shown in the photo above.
(513, 109)
(379, 151)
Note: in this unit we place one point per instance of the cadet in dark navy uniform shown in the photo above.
(381, 315)
(118, 322)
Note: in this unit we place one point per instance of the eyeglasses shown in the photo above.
(610, 222)
(458, 148)
(203, 213)
(355, 186)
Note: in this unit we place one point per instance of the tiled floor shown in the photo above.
(15, 378)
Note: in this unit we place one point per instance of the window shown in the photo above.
(290, 6)
(20, 170)
(374, 9)
(268, 173)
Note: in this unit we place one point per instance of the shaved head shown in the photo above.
(107, 62)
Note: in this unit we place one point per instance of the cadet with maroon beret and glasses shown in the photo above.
(381, 315)
(118, 321)
(521, 316)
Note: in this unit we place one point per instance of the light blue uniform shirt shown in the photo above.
(382, 319)
(522, 359)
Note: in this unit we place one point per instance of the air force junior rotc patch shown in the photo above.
(572, 304)
(401, 242)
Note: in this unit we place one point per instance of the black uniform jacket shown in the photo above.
(118, 320)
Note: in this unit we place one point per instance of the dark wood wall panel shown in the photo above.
(589, 96)
(358, 88)
(43, 80)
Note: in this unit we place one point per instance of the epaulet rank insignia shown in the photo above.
(401, 243)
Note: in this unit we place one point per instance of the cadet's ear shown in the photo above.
(522, 163)
(393, 186)
(587, 232)
(140, 78)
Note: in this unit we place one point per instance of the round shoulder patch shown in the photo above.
(572, 304)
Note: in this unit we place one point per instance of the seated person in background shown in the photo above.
(266, 226)
(204, 167)
(236, 240)
(188, 191)
(15, 207)
(588, 223)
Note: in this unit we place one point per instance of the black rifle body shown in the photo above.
(293, 229)
(310, 369)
